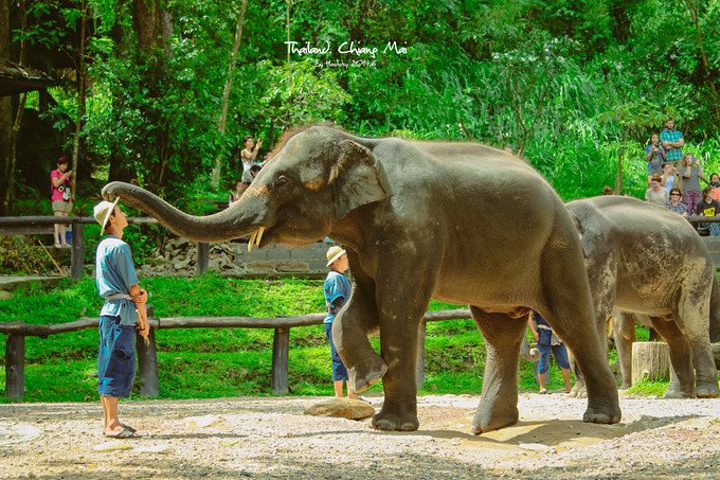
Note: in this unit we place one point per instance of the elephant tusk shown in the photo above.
(255, 238)
(252, 241)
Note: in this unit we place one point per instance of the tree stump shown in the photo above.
(650, 361)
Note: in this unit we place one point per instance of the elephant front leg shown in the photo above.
(350, 335)
(502, 335)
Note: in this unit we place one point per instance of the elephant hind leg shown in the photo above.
(567, 308)
(498, 404)
(682, 375)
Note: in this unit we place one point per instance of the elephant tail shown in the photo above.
(715, 311)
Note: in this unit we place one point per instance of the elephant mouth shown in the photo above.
(256, 238)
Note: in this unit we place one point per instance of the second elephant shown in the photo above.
(644, 259)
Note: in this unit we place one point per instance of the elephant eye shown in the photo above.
(281, 180)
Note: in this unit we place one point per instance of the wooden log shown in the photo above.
(203, 258)
(15, 367)
(420, 367)
(281, 350)
(147, 363)
(650, 361)
(78, 250)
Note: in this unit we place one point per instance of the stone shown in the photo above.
(343, 408)
(113, 445)
(204, 421)
(5, 295)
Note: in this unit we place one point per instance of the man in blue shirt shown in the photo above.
(121, 315)
(337, 290)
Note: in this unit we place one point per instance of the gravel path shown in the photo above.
(272, 438)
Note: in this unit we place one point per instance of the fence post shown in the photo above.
(147, 359)
(281, 348)
(78, 250)
(203, 258)
(420, 368)
(15, 367)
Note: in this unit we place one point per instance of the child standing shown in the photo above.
(122, 314)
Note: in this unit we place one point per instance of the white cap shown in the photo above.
(102, 212)
(333, 254)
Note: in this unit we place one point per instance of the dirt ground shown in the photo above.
(272, 438)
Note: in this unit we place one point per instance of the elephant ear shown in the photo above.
(356, 179)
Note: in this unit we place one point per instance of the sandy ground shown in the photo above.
(272, 438)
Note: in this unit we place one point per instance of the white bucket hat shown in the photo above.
(333, 254)
(102, 212)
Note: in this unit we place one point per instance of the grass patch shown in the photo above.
(212, 363)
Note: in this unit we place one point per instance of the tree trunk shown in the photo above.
(618, 176)
(8, 144)
(226, 90)
(5, 109)
(650, 361)
(80, 73)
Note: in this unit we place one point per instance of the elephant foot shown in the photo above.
(605, 415)
(579, 390)
(672, 393)
(396, 421)
(487, 421)
(361, 378)
(709, 390)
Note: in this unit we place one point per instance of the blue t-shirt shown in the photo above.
(114, 274)
(544, 329)
(336, 285)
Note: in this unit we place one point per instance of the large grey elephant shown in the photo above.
(460, 222)
(644, 259)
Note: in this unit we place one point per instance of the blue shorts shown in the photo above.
(116, 357)
(339, 372)
(561, 357)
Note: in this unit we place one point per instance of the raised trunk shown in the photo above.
(241, 219)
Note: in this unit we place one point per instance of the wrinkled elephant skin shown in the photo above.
(645, 260)
(459, 222)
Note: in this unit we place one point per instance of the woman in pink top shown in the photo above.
(61, 198)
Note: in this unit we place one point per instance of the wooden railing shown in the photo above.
(147, 354)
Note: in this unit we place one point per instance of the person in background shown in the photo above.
(675, 203)
(608, 190)
(337, 290)
(673, 141)
(235, 195)
(692, 173)
(708, 207)
(122, 314)
(655, 156)
(715, 183)
(61, 198)
(656, 193)
(669, 176)
(248, 156)
(548, 342)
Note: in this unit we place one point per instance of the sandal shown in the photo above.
(122, 434)
(58, 246)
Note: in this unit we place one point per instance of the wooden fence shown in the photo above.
(147, 354)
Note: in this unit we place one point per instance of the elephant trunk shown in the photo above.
(715, 311)
(229, 224)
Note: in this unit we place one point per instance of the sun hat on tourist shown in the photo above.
(333, 254)
(102, 212)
